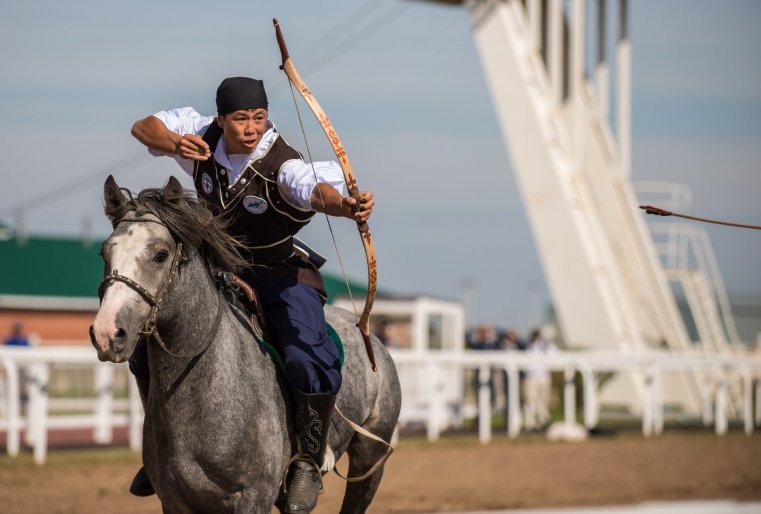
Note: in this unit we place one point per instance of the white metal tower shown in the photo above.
(603, 270)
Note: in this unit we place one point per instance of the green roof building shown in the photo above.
(50, 268)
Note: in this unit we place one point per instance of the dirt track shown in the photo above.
(454, 475)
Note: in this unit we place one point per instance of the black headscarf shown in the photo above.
(236, 93)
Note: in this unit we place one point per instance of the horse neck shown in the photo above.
(174, 383)
(190, 309)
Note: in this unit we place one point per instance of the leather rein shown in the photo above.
(149, 326)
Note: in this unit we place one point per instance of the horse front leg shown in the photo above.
(258, 502)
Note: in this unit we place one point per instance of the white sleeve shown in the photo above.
(297, 180)
(184, 120)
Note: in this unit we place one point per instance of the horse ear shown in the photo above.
(173, 189)
(114, 200)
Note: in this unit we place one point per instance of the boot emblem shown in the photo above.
(313, 429)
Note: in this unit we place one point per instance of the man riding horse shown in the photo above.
(249, 175)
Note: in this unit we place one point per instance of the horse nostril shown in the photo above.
(118, 339)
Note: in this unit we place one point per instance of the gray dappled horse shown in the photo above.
(218, 433)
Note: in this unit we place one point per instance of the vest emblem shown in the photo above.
(206, 184)
(254, 204)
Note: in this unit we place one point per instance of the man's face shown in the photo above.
(243, 129)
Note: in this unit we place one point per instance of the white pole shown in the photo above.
(748, 400)
(648, 408)
(555, 50)
(103, 432)
(484, 404)
(577, 77)
(135, 416)
(721, 403)
(706, 386)
(623, 82)
(41, 373)
(602, 71)
(758, 402)
(513, 401)
(30, 383)
(590, 397)
(658, 401)
(569, 396)
(434, 421)
(12, 395)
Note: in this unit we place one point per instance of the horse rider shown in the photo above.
(246, 172)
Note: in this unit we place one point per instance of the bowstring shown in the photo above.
(322, 200)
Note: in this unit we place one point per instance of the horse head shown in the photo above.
(139, 258)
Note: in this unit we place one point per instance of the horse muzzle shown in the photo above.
(112, 348)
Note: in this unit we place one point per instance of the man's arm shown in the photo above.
(325, 198)
(152, 132)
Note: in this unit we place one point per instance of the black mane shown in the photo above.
(189, 221)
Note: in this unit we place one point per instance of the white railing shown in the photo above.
(650, 368)
(432, 401)
(682, 247)
(103, 412)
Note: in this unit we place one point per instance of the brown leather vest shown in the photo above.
(256, 212)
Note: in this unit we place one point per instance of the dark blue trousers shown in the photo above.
(296, 320)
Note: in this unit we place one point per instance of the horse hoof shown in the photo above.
(141, 484)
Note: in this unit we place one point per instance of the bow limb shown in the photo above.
(351, 183)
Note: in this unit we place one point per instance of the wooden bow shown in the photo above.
(351, 183)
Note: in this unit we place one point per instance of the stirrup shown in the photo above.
(302, 485)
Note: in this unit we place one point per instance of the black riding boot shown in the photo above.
(141, 484)
(304, 483)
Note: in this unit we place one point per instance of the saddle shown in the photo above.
(247, 307)
(242, 295)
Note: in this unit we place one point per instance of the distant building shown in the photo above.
(50, 284)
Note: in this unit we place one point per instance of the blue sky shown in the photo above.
(402, 83)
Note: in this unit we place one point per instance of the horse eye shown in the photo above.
(161, 256)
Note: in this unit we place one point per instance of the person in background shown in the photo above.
(484, 337)
(512, 341)
(536, 384)
(383, 332)
(17, 336)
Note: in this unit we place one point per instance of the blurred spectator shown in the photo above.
(17, 337)
(392, 332)
(536, 384)
(484, 337)
(383, 332)
(512, 341)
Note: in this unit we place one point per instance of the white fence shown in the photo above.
(435, 369)
(428, 383)
(102, 412)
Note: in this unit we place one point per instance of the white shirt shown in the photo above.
(540, 346)
(296, 179)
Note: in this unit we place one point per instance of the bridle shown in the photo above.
(149, 326)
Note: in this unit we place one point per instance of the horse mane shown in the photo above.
(190, 222)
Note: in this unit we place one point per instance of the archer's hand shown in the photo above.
(366, 204)
(191, 146)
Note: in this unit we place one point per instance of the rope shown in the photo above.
(360, 430)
